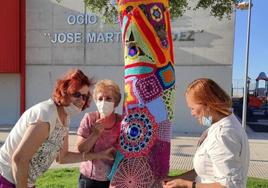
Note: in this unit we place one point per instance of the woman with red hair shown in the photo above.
(222, 159)
(41, 134)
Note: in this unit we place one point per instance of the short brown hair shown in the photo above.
(71, 82)
(207, 92)
(110, 85)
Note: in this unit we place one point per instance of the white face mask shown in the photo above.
(72, 110)
(105, 108)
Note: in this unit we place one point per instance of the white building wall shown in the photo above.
(9, 98)
(203, 47)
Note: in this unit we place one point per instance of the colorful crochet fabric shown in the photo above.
(138, 133)
(118, 158)
(133, 173)
(145, 132)
(169, 100)
(149, 88)
(164, 131)
(159, 159)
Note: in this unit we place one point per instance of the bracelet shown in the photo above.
(194, 184)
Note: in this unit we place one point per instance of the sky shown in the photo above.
(258, 51)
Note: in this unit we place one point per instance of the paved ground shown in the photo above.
(183, 148)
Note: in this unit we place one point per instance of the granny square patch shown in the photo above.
(158, 109)
(149, 88)
(166, 76)
(155, 15)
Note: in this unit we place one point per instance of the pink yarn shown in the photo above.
(159, 159)
(133, 173)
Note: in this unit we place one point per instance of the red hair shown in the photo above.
(207, 92)
(71, 82)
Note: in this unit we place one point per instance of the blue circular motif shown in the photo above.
(136, 133)
(133, 132)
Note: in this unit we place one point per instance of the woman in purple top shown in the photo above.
(98, 131)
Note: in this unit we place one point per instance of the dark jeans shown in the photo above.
(85, 182)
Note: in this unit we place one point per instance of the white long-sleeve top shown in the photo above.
(223, 157)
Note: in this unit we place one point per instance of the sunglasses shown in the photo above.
(79, 95)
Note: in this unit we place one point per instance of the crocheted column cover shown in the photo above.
(144, 145)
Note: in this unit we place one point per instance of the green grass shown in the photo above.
(59, 178)
(176, 172)
(68, 178)
(257, 183)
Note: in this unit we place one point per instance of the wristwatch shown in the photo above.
(193, 185)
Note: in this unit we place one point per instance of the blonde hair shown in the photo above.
(207, 92)
(108, 85)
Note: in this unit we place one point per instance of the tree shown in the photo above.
(218, 8)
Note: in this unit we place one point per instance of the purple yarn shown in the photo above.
(159, 159)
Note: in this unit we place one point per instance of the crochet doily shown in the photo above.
(138, 133)
(133, 173)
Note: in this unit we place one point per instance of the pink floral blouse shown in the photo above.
(98, 169)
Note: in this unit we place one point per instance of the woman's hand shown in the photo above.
(86, 144)
(176, 183)
(98, 127)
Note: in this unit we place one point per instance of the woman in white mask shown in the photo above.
(99, 131)
(41, 134)
(222, 159)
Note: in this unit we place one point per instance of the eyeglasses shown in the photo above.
(79, 95)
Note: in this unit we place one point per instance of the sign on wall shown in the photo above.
(112, 36)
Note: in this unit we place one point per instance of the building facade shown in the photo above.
(64, 35)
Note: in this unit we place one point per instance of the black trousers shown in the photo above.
(85, 182)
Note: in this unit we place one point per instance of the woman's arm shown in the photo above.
(86, 144)
(181, 183)
(34, 136)
(66, 156)
(186, 180)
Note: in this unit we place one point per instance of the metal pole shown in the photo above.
(244, 113)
